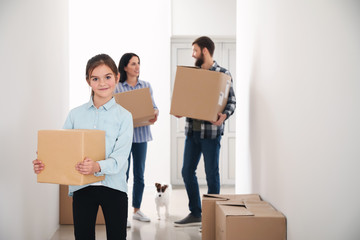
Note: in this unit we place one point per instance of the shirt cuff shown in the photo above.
(98, 174)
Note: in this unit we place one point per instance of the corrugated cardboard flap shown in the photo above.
(235, 208)
(246, 197)
(238, 197)
(263, 209)
(215, 197)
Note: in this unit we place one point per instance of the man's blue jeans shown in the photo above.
(210, 148)
(138, 151)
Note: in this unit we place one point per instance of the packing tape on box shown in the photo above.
(221, 98)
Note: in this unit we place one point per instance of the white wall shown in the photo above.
(116, 27)
(35, 40)
(203, 17)
(34, 80)
(304, 112)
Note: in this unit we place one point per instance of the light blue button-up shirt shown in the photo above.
(117, 123)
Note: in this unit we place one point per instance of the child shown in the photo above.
(102, 113)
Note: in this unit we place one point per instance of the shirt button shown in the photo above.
(94, 126)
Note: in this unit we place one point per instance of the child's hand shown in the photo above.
(38, 166)
(87, 167)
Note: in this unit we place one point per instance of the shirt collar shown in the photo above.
(138, 83)
(106, 106)
(214, 66)
(90, 103)
(109, 104)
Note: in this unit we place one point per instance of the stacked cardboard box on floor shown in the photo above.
(209, 206)
(199, 93)
(139, 103)
(60, 150)
(66, 213)
(241, 217)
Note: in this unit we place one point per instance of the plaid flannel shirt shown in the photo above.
(209, 130)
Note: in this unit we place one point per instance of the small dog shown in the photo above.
(162, 199)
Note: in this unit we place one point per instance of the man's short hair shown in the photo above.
(205, 42)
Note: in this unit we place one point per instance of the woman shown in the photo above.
(129, 69)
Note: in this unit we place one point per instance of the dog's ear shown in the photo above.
(163, 188)
(158, 186)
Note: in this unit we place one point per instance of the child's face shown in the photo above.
(133, 67)
(103, 81)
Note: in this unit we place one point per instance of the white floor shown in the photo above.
(162, 229)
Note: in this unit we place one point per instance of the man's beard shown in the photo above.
(199, 61)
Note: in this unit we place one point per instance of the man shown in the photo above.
(203, 137)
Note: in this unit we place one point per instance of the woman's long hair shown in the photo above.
(124, 61)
